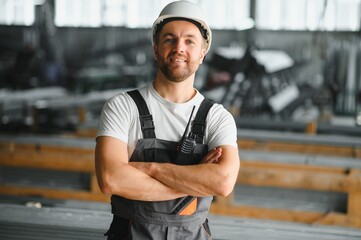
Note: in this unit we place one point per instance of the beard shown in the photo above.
(175, 72)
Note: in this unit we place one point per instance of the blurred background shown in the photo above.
(289, 71)
(280, 61)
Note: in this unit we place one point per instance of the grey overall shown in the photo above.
(158, 220)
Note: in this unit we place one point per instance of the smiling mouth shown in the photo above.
(177, 60)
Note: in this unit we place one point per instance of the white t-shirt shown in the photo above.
(120, 119)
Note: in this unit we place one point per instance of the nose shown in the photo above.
(178, 47)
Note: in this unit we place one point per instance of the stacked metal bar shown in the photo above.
(322, 139)
(20, 223)
(300, 159)
(277, 125)
(48, 166)
(50, 109)
(303, 182)
(297, 177)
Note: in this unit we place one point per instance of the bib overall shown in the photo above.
(181, 218)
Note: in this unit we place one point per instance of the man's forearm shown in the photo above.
(215, 178)
(194, 180)
(116, 176)
(134, 184)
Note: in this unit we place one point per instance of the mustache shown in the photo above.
(175, 55)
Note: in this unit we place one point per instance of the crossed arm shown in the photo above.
(163, 181)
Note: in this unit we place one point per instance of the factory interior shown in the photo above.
(285, 69)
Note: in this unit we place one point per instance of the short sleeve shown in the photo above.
(222, 128)
(115, 118)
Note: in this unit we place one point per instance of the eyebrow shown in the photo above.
(173, 35)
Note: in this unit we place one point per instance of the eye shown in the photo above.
(168, 40)
(190, 42)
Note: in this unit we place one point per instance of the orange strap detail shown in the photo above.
(190, 209)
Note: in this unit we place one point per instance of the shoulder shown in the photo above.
(219, 115)
(216, 112)
(124, 100)
(120, 104)
(218, 108)
(118, 99)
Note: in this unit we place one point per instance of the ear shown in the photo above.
(155, 51)
(202, 55)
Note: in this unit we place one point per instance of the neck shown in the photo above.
(176, 92)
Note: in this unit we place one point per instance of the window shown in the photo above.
(227, 14)
(17, 12)
(222, 14)
(79, 13)
(332, 15)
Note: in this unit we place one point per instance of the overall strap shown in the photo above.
(188, 205)
(146, 119)
(199, 122)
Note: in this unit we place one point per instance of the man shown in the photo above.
(161, 174)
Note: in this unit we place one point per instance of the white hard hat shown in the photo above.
(183, 10)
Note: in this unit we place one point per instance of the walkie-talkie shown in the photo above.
(185, 150)
(187, 143)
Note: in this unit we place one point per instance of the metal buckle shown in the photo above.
(146, 122)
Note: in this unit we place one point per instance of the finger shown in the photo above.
(209, 155)
(212, 156)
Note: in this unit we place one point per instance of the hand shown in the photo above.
(212, 156)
